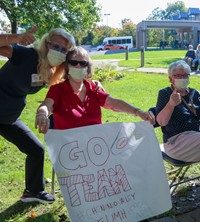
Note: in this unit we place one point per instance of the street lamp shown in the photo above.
(107, 14)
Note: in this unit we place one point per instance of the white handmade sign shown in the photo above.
(110, 172)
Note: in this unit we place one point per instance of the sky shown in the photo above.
(133, 10)
(114, 11)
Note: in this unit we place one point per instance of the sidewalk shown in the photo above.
(114, 62)
(162, 70)
(152, 70)
(3, 58)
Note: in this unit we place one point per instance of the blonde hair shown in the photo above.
(78, 50)
(52, 75)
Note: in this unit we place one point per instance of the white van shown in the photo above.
(120, 40)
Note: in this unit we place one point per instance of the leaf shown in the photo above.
(32, 214)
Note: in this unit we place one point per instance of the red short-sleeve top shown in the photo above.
(70, 112)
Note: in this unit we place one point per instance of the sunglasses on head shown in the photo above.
(57, 47)
(75, 63)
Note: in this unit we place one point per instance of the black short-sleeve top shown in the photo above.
(15, 82)
(182, 118)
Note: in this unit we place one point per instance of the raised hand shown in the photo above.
(28, 37)
(175, 98)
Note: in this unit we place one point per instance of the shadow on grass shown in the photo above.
(20, 208)
(16, 209)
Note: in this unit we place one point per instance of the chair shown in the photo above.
(180, 168)
(179, 171)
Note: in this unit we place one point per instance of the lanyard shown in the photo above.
(191, 108)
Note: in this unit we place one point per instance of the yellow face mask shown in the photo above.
(55, 57)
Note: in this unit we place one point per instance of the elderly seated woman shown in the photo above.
(190, 55)
(178, 114)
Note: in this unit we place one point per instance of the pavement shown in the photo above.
(3, 58)
(162, 70)
(114, 63)
(193, 216)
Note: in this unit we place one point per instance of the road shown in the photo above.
(3, 58)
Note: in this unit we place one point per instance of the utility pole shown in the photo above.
(107, 14)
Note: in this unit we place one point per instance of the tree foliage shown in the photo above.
(77, 16)
(128, 29)
(157, 35)
(98, 33)
(171, 10)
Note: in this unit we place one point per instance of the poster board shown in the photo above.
(110, 172)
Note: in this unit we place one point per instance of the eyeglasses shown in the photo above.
(184, 76)
(57, 47)
(75, 63)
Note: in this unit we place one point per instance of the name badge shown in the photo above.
(36, 80)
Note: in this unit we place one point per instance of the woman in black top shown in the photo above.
(27, 71)
(178, 114)
(190, 55)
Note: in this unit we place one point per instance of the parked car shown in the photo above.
(109, 47)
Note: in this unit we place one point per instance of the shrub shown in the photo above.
(107, 73)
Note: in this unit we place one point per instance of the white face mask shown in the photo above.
(78, 74)
(181, 83)
(55, 58)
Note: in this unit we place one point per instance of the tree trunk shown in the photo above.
(14, 27)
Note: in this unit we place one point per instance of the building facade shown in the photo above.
(186, 25)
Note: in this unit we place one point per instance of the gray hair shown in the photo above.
(180, 64)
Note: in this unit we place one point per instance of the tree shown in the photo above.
(156, 36)
(74, 15)
(128, 29)
(157, 14)
(171, 10)
(99, 33)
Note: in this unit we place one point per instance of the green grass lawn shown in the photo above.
(157, 58)
(136, 88)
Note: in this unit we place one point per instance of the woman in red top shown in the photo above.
(76, 102)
